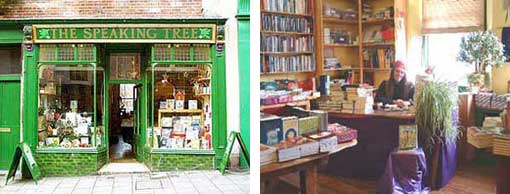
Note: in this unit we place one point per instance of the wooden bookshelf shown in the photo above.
(353, 54)
(279, 25)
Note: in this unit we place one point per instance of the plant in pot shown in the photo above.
(481, 49)
(437, 134)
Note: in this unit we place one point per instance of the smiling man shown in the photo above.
(397, 89)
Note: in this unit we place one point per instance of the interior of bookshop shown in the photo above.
(384, 96)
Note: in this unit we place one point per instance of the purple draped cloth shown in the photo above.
(405, 173)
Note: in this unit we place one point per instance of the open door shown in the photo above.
(138, 139)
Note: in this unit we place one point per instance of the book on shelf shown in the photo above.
(290, 6)
(278, 43)
(378, 57)
(285, 23)
(272, 64)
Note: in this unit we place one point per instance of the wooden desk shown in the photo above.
(377, 135)
(307, 168)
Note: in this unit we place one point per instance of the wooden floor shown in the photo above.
(470, 179)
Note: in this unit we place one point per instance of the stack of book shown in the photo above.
(359, 100)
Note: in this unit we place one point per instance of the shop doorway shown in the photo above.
(9, 120)
(122, 122)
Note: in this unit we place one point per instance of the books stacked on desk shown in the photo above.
(501, 144)
(343, 133)
(359, 100)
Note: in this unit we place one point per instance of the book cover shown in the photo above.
(271, 129)
(408, 137)
(290, 127)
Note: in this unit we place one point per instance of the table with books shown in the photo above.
(306, 166)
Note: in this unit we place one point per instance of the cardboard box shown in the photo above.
(327, 141)
(267, 154)
(308, 147)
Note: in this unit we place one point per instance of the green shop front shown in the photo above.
(148, 91)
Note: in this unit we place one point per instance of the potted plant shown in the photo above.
(481, 49)
(437, 134)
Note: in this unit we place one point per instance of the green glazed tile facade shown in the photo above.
(70, 164)
(166, 162)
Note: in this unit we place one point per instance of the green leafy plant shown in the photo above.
(481, 49)
(434, 107)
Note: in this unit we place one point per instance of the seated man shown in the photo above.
(397, 89)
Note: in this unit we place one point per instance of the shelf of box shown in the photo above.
(341, 45)
(286, 53)
(378, 21)
(339, 21)
(184, 111)
(378, 44)
(203, 79)
(286, 72)
(287, 33)
(286, 13)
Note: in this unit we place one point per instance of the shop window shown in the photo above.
(124, 66)
(441, 53)
(182, 52)
(180, 106)
(66, 52)
(70, 106)
(201, 52)
(10, 61)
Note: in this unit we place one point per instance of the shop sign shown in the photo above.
(125, 33)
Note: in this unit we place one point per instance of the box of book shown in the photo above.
(267, 154)
(408, 138)
(270, 129)
(290, 127)
(308, 147)
(327, 141)
(288, 150)
(309, 125)
(343, 133)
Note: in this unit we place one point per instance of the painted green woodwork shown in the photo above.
(124, 33)
(9, 121)
(55, 161)
(70, 162)
(165, 161)
(219, 104)
(11, 36)
(243, 31)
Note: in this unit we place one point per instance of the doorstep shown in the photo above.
(123, 168)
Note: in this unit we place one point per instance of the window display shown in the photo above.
(182, 107)
(69, 98)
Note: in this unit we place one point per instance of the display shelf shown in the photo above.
(305, 103)
(333, 20)
(378, 21)
(356, 30)
(203, 79)
(286, 53)
(286, 72)
(341, 45)
(285, 13)
(161, 112)
(378, 44)
(287, 33)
